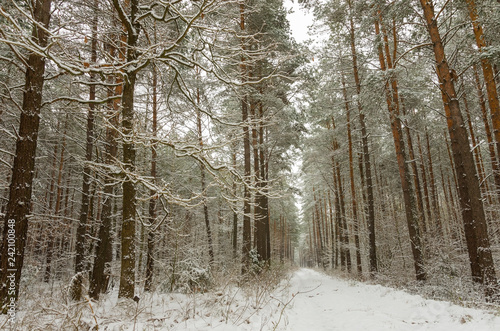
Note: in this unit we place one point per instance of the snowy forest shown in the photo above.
(199, 164)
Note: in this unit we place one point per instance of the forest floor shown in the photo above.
(305, 300)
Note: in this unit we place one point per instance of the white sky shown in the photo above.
(299, 20)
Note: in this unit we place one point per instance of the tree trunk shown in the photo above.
(152, 201)
(317, 221)
(16, 214)
(246, 233)
(475, 146)
(424, 182)
(416, 177)
(488, 73)
(370, 208)
(489, 137)
(127, 277)
(282, 239)
(203, 183)
(259, 231)
(100, 270)
(343, 220)
(260, 204)
(351, 176)
(264, 174)
(392, 99)
(50, 193)
(326, 223)
(450, 155)
(127, 274)
(334, 258)
(235, 214)
(82, 222)
(434, 198)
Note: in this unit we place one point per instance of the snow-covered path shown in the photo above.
(326, 303)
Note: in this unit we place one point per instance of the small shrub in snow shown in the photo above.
(193, 278)
(256, 266)
(76, 286)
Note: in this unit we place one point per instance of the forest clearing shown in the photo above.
(249, 164)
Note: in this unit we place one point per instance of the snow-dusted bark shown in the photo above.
(23, 170)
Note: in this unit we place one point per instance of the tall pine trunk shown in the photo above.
(351, 176)
(344, 233)
(416, 177)
(153, 198)
(127, 273)
(488, 72)
(392, 99)
(235, 214)
(317, 222)
(424, 182)
(370, 206)
(246, 233)
(434, 197)
(100, 270)
(489, 136)
(203, 182)
(18, 207)
(84, 207)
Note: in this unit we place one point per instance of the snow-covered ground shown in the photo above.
(327, 303)
(308, 300)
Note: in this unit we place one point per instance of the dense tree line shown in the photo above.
(426, 74)
(127, 128)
